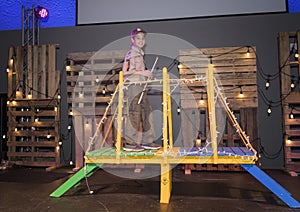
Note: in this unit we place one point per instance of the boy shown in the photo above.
(135, 71)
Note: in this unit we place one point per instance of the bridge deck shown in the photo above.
(176, 155)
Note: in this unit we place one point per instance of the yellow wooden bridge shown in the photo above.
(168, 154)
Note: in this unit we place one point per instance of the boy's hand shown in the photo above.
(148, 74)
(145, 73)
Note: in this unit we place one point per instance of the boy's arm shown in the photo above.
(125, 68)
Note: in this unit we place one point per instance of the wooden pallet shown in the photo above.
(88, 75)
(235, 71)
(33, 132)
(33, 106)
(290, 98)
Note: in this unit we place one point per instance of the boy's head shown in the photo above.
(136, 31)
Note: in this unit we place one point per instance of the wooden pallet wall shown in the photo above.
(41, 78)
(235, 70)
(289, 45)
(33, 106)
(89, 74)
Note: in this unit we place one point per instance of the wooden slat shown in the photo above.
(10, 82)
(34, 144)
(43, 72)
(30, 154)
(29, 70)
(230, 69)
(51, 71)
(19, 70)
(35, 72)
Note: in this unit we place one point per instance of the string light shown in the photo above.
(180, 66)
(11, 61)
(210, 60)
(103, 91)
(241, 92)
(201, 99)
(288, 140)
(68, 65)
(291, 115)
(292, 84)
(97, 80)
(48, 135)
(87, 123)
(29, 95)
(248, 52)
(267, 84)
(81, 93)
(178, 110)
(7, 69)
(18, 92)
(198, 140)
(269, 111)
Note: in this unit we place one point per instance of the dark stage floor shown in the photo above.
(28, 189)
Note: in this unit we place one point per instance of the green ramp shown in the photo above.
(86, 171)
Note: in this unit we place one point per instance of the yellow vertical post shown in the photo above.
(165, 182)
(165, 110)
(212, 110)
(165, 170)
(119, 117)
(170, 126)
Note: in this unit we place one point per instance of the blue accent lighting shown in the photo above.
(293, 6)
(60, 13)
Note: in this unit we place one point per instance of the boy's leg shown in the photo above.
(148, 126)
(133, 120)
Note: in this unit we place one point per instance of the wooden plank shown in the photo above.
(293, 98)
(34, 154)
(292, 155)
(35, 144)
(34, 163)
(33, 113)
(40, 133)
(35, 72)
(217, 70)
(47, 124)
(284, 47)
(29, 70)
(51, 71)
(43, 72)
(19, 71)
(10, 82)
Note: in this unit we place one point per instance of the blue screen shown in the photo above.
(61, 13)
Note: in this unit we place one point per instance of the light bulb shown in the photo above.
(269, 110)
(267, 84)
(292, 84)
(291, 115)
